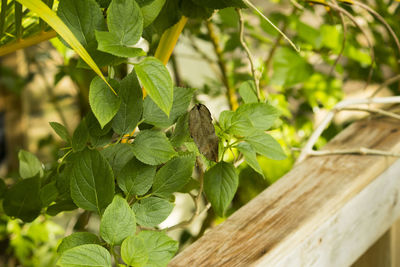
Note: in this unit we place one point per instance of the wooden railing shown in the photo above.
(327, 211)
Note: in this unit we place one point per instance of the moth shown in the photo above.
(203, 132)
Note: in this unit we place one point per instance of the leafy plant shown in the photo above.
(138, 145)
(129, 155)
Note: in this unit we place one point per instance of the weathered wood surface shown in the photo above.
(327, 211)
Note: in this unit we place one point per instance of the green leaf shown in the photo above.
(85, 256)
(22, 200)
(134, 252)
(48, 194)
(29, 165)
(118, 155)
(60, 206)
(181, 131)
(250, 156)
(168, 16)
(249, 117)
(150, 10)
(155, 78)
(104, 103)
(192, 10)
(77, 239)
(173, 175)
(152, 114)
(225, 119)
(189, 186)
(109, 43)
(136, 178)
(51, 18)
(266, 145)
(131, 108)
(247, 91)
(92, 181)
(152, 147)
(94, 127)
(118, 222)
(101, 141)
(82, 18)
(289, 68)
(220, 184)
(220, 4)
(61, 131)
(160, 247)
(152, 211)
(104, 3)
(80, 137)
(125, 21)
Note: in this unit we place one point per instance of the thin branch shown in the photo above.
(352, 18)
(249, 4)
(357, 151)
(374, 110)
(382, 20)
(328, 118)
(385, 84)
(344, 26)
(24, 43)
(230, 92)
(248, 52)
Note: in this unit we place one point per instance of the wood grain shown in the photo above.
(327, 211)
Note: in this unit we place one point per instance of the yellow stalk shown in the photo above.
(24, 43)
(51, 18)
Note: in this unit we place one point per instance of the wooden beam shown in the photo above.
(327, 211)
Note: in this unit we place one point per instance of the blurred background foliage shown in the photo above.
(43, 83)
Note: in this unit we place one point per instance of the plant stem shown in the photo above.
(248, 52)
(357, 151)
(23, 43)
(168, 41)
(328, 118)
(249, 4)
(230, 92)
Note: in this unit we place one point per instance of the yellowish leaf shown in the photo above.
(51, 18)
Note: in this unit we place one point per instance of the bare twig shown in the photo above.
(374, 110)
(357, 151)
(297, 4)
(344, 26)
(352, 18)
(307, 149)
(248, 52)
(249, 4)
(385, 84)
(382, 20)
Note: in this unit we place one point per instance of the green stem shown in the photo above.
(143, 197)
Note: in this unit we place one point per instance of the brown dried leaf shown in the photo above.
(203, 132)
